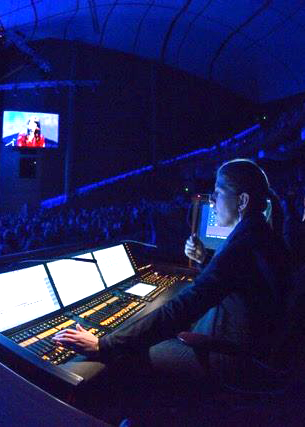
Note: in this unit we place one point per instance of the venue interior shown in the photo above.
(115, 117)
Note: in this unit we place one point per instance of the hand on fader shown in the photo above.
(80, 340)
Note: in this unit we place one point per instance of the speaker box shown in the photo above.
(28, 167)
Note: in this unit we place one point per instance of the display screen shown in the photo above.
(25, 295)
(114, 264)
(75, 280)
(209, 232)
(30, 130)
(141, 289)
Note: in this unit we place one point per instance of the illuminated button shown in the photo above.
(28, 342)
(111, 300)
(98, 307)
(65, 324)
(87, 313)
(47, 333)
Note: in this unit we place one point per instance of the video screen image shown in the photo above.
(25, 295)
(114, 264)
(75, 280)
(30, 130)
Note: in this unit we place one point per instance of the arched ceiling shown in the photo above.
(255, 48)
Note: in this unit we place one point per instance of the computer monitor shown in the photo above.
(26, 295)
(114, 264)
(206, 227)
(75, 280)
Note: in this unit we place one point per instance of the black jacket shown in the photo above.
(238, 296)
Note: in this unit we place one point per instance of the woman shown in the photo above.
(238, 296)
(33, 137)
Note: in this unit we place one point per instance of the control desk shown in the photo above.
(100, 289)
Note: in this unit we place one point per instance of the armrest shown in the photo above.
(204, 343)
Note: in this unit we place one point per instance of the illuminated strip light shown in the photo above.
(246, 131)
(191, 154)
(213, 148)
(55, 201)
(48, 203)
(48, 84)
(113, 179)
(239, 135)
(63, 198)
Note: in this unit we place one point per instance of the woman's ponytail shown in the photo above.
(276, 217)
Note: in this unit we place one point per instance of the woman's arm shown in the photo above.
(216, 281)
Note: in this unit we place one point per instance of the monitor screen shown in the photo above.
(208, 231)
(75, 280)
(30, 130)
(141, 289)
(114, 264)
(25, 295)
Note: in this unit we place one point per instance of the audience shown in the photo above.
(74, 225)
(77, 223)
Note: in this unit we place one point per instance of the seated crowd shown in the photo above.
(77, 223)
(70, 224)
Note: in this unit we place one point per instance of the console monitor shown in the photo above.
(75, 280)
(114, 264)
(26, 295)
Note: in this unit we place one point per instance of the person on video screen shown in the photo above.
(33, 137)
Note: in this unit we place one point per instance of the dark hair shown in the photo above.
(244, 175)
(38, 130)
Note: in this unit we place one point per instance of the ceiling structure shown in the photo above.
(255, 48)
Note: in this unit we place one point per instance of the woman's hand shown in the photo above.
(194, 249)
(79, 340)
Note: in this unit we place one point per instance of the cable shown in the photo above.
(71, 19)
(261, 9)
(140, 25)
(189, 215)
(15, 70)
(36, 19)
(279, 25)
(106, 21)
(171, 27)
(94, 17)
(189, 28)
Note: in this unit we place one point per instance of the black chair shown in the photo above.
(287, 357)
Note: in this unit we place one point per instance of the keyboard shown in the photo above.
(38, 339)
(99, 315)
(111, 312)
